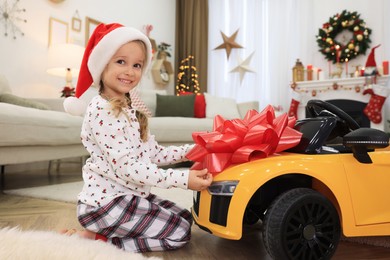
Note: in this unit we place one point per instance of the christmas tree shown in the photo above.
(187, 78)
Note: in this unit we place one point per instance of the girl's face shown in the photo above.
(123, 71)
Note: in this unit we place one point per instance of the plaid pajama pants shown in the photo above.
(138, 224)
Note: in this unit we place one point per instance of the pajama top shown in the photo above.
(120, 163)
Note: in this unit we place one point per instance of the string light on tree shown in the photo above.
(187, 77)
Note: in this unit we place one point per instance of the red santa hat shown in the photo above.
(102, 45)
(371, 58)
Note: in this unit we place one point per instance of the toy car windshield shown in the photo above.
(315, 132)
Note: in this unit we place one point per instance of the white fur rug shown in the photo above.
(42, 245)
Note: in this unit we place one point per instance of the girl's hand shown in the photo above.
(199, 180)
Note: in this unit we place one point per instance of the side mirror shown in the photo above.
(363, 140)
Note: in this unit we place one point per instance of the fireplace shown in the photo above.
(345, 93)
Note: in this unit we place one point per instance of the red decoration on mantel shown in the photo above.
(236, 141)
(295, 100)
(357, 89)
(373, 110)
(293, 85)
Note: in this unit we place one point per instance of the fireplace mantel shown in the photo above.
(344, 88)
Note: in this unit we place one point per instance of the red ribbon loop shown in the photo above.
(235, 141)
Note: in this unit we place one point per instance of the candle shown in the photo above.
(330, 69)
(385, 67)
(309, 72)
(362, 71)
(320, 74)
(346, 67)
(337, 54)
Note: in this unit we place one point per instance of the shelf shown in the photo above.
(345, 82)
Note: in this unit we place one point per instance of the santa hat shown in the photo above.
(102, 45)
(371, 58)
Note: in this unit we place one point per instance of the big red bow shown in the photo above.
(241, 140)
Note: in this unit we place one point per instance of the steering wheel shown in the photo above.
(315, 104)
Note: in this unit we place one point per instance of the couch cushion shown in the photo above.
(226, 107)
(178, 129)
(24, 102)
(175, 106)
(20, 126)
(200, 104)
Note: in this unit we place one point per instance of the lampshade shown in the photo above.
(64, 60)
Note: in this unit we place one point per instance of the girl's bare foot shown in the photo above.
(81, 233)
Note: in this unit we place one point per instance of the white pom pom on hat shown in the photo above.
(102, 45)
(74, 106)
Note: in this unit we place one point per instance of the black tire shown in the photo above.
(301, 224)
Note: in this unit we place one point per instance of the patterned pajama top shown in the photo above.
(120, 163)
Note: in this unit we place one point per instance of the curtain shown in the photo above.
(192, 36)
(263, 36)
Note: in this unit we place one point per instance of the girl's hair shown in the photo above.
(118, 104)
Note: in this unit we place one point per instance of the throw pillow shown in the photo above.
(200, 104)
(169, 105)
(15, 100)
(138, 104)
(226, 107)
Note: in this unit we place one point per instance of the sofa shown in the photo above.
(33, 130)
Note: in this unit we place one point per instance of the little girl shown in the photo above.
(115, 204)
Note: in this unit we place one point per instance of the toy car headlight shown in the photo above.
(223, 188)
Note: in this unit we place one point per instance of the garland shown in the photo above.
(338, 52)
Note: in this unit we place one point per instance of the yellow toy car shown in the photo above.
(335, 180)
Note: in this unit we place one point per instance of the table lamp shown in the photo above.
(64, 61)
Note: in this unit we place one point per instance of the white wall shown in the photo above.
(24, 60)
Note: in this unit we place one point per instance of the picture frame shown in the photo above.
(76, 24)
(90, 25)
(58, 31)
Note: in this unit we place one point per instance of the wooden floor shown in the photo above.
(35, 214)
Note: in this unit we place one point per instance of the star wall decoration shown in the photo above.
(9, 15)
(228, 43)
(243, 67)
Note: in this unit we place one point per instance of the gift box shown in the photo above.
(236, 141)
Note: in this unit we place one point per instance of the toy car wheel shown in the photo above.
(301, 224)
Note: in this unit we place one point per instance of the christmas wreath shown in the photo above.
(344, 37)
